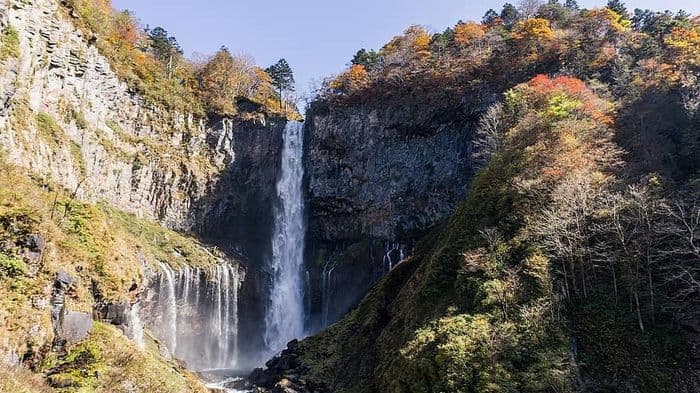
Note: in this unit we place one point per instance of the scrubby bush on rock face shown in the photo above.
(12, 267)
(9, 43)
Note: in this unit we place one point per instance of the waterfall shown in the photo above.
(284, 319)
(135, 326)
(194, 311)
(326, 290)
(169, 307)
(394, 252)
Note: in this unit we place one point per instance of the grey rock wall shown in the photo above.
(378, 177)
(377, 172)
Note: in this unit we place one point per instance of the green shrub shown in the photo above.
(78, 159)
(561, 106)
(9, 43)
(80, 120)
(12, 266)
(49, 129)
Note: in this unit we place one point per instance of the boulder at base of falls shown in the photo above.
(70, 327)
(282, 374)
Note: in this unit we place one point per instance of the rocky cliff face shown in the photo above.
(383, 172)
(378, 177)
(65, 115)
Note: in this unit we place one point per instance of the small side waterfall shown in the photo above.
(394, 252)
(284, 319)
(169, 307)
(136, 326)
(194, 311)
(326, 290)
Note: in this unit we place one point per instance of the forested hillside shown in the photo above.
(572, 265)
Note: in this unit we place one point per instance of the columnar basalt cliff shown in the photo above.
(67, 116)
(383, 172)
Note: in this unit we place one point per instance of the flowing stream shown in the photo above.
(284, 319)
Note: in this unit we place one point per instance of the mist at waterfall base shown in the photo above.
(194, 312)
(284, 317)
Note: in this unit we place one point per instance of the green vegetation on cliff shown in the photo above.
(502, 295)
(9, 43)
(109, 362)
(43, 231)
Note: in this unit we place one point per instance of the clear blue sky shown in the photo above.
(317, 37)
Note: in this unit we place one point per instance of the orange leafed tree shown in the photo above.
(420, 39)
(466, 33)
(685, 45)
(544, 88)
(125, 29)
(351, 80)
(414, 43)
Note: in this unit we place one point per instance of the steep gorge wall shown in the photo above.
(378, 177)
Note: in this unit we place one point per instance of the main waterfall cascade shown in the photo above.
(284, 319)
(194, 312)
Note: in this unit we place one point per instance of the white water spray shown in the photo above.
(284, 319)
(194, 311)
(167, 288)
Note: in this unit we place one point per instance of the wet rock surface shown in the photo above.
(379, 176)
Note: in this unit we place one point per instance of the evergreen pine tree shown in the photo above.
(282, 78)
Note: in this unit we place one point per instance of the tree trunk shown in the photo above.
(639, 310)
(614, 275)
(281, 100)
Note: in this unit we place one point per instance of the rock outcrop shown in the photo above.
(383, 172)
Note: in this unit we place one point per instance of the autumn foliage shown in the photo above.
(153, 64)
(351, 80)
(537, 29)
(466, 33)
(685, 45)
(556, 91)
